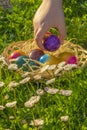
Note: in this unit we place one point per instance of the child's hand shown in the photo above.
(50, 14)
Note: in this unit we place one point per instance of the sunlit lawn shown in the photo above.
(15, 25)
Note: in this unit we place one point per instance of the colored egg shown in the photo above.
(45, 58)
(48, 59)
(16, 54)
(51, 43)
(25, 62)
(68, 57)
(72, 60)
(20, 61)
(46, 36)
(36, 54)
(65, 56)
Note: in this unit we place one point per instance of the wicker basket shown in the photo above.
(47, 71)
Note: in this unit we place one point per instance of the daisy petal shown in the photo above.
(50, 81)
(64, 118)
(37, 122)
(66, 92)
(51, 90)
(31, 102)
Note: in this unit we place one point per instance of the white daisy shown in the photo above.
(51, 90)
(25, 80)
(64, 118)
(6, 96)
(40, 92)
(12, 67)
(2, 58)
(12, 84)
(37, 122)
(31, 102)
(69, 66)
(57, 71)
(2, 107)
(2, 84)
(11, 104)
(66, 92)
(44, 68)
(25, 74)
(51, 67)
(50, 81)
(36, 77)
(61, 64)
(11, 117)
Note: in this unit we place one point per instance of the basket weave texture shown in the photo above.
(47, 71)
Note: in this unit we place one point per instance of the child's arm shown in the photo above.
(50, 14)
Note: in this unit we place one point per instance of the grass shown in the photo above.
(16, 24)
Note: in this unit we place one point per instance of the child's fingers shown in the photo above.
(39, 36)
(62, 33)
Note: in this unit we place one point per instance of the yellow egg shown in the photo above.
(65, 56)
(53, 60)
(48, 59)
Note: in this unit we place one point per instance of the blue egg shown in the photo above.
(44, 58)
(49, 59)
(25, 62)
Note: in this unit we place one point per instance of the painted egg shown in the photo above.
(45, 58)
(20, 61)
(47, 35)
(68, 57)
(16, 54)
(72, 60)
(36, 54)
(48, 59)
(25, 62)
(51, 43)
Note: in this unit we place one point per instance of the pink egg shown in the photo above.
(72, 60)
(16, 54)
(36, 54)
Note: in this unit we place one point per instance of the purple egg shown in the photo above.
(52, 43)
(36, 54)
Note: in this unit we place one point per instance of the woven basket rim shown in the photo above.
(30, 44)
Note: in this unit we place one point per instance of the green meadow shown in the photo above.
(16, 24)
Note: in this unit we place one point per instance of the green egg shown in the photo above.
(25, 63)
